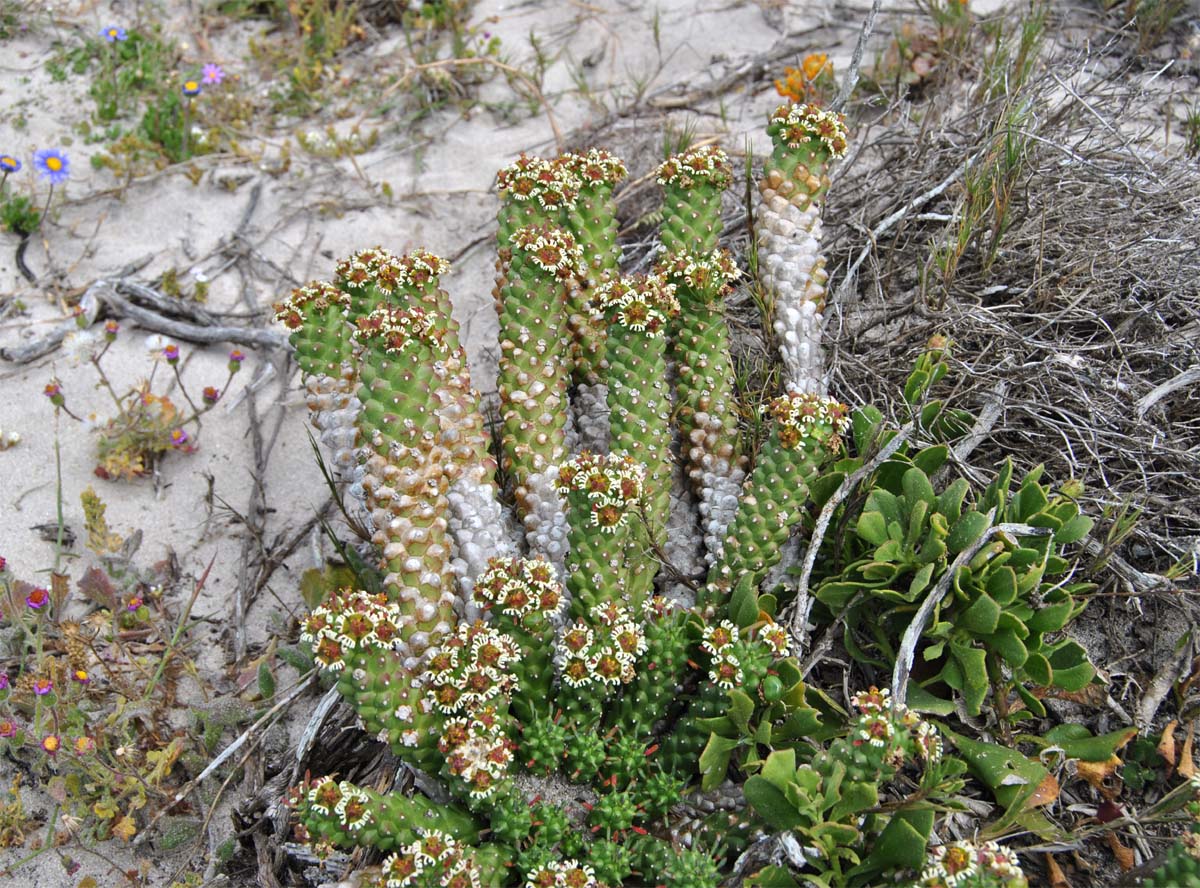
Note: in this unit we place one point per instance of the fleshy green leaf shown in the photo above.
(966, 530)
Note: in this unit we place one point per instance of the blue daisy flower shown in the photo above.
(114, 34)
(191, 88)
(9, 164)
(52, 165)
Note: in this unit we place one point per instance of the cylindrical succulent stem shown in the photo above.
(534, 363)
(790, 263)
(593, 220)
(637, 310)
(707, 410)
(353, 635)
(660, 670)
(477, 522)
(603, 495)
(407, 479)
(523, 597)
(692, 186)
(805, 433)
(735, 661)
(316, 315)
(340, 813)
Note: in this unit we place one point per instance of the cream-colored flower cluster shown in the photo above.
(552, 184)
(350, 620)
(374, 265)
(707, 165)
(707, 274)
(596, 166)
(434, 858)
(614, 486)
(398, 328)
(471, 669)
(315, 296)
(804, 417)
(799, 125)
(344, 800)
(477, 751)
(518, 587)
(643, 303)
(966, 863)
(551, 249)
(604, 653)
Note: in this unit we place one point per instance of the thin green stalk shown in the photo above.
(46, 208)
(179, 630)
(58, 493)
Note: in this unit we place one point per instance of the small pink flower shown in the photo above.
(38, 598)
(84, 745)
(42, 686)
(171, 353)
(53, 391)
(235, 360)
(7, 728)
(211, 395)
(133, 603)
(212, 74)
(3, 681)
(111, 328)
(51, 743)
(179, 438)
(3, 564)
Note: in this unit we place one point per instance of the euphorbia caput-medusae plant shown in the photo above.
(507, 676)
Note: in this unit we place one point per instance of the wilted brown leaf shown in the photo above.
(1099, 775)
(1124, 855)
(1056, 878)
(1166, 746)
(1187, 764)
(1045, 794)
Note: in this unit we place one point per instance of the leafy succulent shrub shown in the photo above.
(1000, 624)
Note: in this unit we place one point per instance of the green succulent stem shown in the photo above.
(693, 183)
(805, 435)
(534, 361)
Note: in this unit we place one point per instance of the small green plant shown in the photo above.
(84, 698)
(1150, 19)
(1191, 131)
(1003, 592)
(306, 47)
(146, 425)
(985, 211)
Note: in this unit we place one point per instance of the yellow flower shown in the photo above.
(814, 64)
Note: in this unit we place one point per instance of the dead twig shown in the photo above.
(801, 606)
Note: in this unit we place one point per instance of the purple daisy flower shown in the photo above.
(52, 165)
(212, 74)
(191, 88)
(9, 164)
(114, 34)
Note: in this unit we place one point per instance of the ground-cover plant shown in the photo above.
(508, 665)
(143, 92)
(1150, 20)
(147, 425)
(88, 679)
